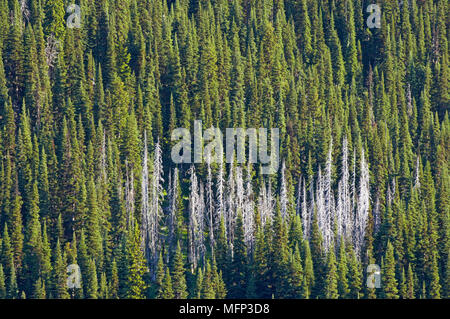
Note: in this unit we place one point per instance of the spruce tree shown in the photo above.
(2, 283)
(389, 282)
(166, 291)
(179, 280)
(136, 284)
(92, 281)
(342, 268)
(239, 263)
(331, 280)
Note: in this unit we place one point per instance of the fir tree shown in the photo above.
(342, 268)
(331, 280)
(179, 280)
(239, 263)
(2, 283)
(166, 291)
(390, 290)
(136, 284)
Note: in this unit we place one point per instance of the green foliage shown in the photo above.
(239, 264)
(166, 291)
(390, 290)
(54, 22)
(331, 280)
(136, 284)
(179, 279)
(75, 105)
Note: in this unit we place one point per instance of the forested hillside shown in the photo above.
(87, 179)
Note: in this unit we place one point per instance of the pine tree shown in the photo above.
(160, 273)
(198, 284)
(103, 289)
(136, 283)
(39, 289)
(113, 288)
(222, 250)
(87, 114)
(331, 280)
(261, 265)
(239, 263)
(435, 286)
(179, 280)
(8, 263)
(13, 58)
(54, 18)
(59, 286)
(390, 290)
(305, 27)
(354, 276)
(208, 289)
(296, 282)
(33, 244)
(218, 283)
(309, 277)
(317, 256)
(92, 281)
(93, 236)
(166, 291)
(402, 286)
(410, 284)
(342, 268)
(2, 283)
(17, 237)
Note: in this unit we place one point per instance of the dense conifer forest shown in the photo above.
(87, 181)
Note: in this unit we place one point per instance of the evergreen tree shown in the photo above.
(179, 280)
(354, 276)
(2, 283)
(92, 281)
(239, 263)
(80, 106)
(390, 290)
(166, 291)
(342, 268)
(54, 22)
(59, 286)
(208, 289)
(136, 284)
(331, 280)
